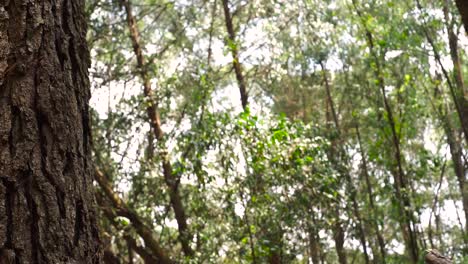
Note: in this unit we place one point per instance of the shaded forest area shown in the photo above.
(269, 131)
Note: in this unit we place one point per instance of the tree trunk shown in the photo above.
(401, 182)
(121, 209)
(172, 180)
(460, 101)
(434, 257)
(314, 239)
(339, 237)
(344, 170)
(463, 8)
(370, 193)
(46, 192)
(233, 46)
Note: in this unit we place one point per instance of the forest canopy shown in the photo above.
(270, 131)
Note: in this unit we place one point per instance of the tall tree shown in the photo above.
(152, 110)
(47, 212)
(400, 177)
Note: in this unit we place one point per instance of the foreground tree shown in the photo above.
(46, 193)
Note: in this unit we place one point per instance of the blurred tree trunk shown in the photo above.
(314, 239)
(434, 257)
(342, 163)
(463, 8)
(458, 93)
(370, 193)
(46, 193)
(234, 48)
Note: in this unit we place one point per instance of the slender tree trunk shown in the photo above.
(130, 253)
(314, 240)
(461, 106)
(337, 224)
(170, 178)
(457, 90)
(454, 144)
(339, 237)
(47, 212)
(434, 207)
(459, 168)
(275, 239)
(234, 47)
(401, 183)
(342, 166)
(459, 99)
(370, 193)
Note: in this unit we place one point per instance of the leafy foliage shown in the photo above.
(344, 97)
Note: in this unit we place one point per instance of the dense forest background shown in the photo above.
(269, 131)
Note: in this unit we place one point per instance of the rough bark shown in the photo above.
(434, 257)
(47, 212)
(170, 178)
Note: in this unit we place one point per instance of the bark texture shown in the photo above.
(434, 257)
(46, 192)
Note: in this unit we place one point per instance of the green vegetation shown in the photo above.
(310, 131)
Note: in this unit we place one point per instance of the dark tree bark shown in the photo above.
(314, 246)
(233, 46)
(110, 257)
(339, 237)
(47, 212)
(463, 8)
